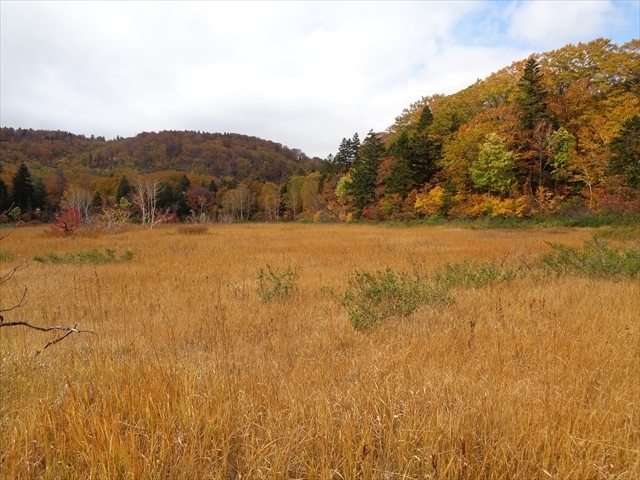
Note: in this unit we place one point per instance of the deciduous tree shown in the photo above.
(271, 199)
(82, 200)
(67, 220)
(493, 171)
(293, 194)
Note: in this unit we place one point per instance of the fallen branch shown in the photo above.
(68, 330)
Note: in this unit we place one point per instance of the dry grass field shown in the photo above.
(193, 375)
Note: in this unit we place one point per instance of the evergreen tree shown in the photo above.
(425, 150)
(417, 154)
(532, 97)
(625, 152)
(124, 189)
(185, 183)
(5, 198)
(365, 170)
(401, 177)
(426, 119)
(39, 194)
(167, 198)
(347, 153)
(97, 201)
(181, 207)
(355, 146)
(23, 189)
(537, 124)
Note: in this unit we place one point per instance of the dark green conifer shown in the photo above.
(532, 97)
(625, 152)
(124, 189)
(23, 189)
(365, 170)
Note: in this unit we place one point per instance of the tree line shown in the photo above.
(555, 134)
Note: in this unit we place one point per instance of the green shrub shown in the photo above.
(372, 297)
(276, 284)
(90, 256)
(126, 256)
(595, 259)
(473, 274)
(622, 233)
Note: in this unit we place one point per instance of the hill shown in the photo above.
(556, 134)
(558, 128)
(215, 154)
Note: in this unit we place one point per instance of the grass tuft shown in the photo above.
(89, 256)
(193, 229)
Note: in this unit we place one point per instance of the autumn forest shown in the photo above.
(556, 135)
(403, 338)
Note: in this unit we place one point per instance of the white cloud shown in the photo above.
(304, 74)
(548, 24)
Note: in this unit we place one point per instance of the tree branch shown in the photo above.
(21, 303)
(21, 323)
(7, 276)
(68, 331)
(16, 225)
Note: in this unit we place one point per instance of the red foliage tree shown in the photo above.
(67, 220)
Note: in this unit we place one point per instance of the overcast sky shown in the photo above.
(303, 74)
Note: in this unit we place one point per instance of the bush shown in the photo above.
(595, 259)
(275, 284)
(473, 274)
(372, 297)
(90, 256)
(621, 233)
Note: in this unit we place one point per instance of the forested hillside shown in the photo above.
(60, 165)
(556, 134)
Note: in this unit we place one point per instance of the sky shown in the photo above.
(303, 74)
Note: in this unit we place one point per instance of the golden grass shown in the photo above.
(194, 376)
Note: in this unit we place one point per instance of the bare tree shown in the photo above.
(237, 202)
(83, 201)
(145, 197)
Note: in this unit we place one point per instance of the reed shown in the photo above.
(193, 375)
